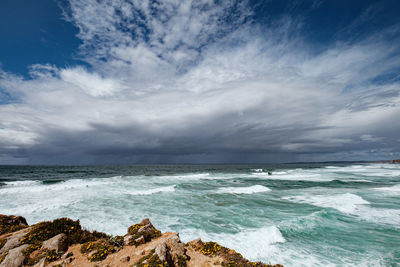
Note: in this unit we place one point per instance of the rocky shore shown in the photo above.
(63, 242)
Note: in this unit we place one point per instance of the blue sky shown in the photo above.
(93, 82)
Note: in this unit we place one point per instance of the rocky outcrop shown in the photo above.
(13, 241)
(63, 242)
(172, 251)
(58, 243)
(15, 257)
(141, 233)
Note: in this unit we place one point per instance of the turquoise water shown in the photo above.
(296, 215)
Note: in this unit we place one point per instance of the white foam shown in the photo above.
(351, 204)
(379, 215)
(346, 203)
(37, 186)
(392, 189)
(373, 170)
(294, 176)
(258, 244)
(280, 173)
(244, 190)
(185, 177)
(153, 191)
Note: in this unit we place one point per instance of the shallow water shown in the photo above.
(299, 215)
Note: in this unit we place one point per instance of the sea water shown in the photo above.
(293, 214)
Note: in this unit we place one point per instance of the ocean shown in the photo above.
(292, 214)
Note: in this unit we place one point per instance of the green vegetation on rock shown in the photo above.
(210, 248)
(231, 257)
(9, 224)
(182, 261)
(33, 254)
(46, 230)
(151, 260)
(75, 234)
(139, 230)
(97, 251)
(117, 241)
(4, 229)
(52, 255)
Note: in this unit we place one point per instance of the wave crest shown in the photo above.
(154, 191)
(243, 190)
(346, 203)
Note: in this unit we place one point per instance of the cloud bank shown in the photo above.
(202, 81)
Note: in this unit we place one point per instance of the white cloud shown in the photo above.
(190, 81)
(91, 84)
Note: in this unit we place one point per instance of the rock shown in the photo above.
(196, 241)
(12, 220)
(161, 251)
(15, 257)
(58, 243)
(125, 259)
(140, 240)
(146, 221)
(67, 255)
(176, 248)
(13, 241)
(146, 229)
(127, 239)
(171, 250)
(175, 245)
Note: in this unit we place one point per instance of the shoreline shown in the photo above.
(64, 242)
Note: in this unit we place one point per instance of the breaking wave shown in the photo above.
(244, 190)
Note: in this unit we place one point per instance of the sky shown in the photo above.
(198, 81)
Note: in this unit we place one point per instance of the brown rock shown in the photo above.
(197, 243)
(146, 221)
(176, 248)
(15, 257)
(58, 243)
(146, 229)
(140, 240)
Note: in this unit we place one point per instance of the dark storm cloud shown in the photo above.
(187, 81)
